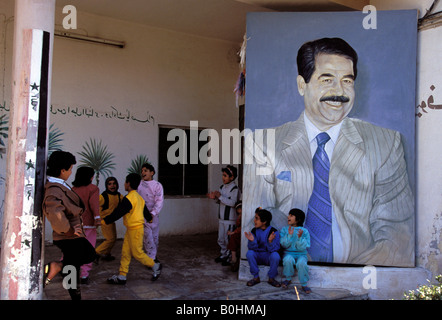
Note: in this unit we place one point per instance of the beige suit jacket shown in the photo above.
(369, 188)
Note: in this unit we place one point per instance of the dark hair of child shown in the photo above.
(230, 171)
(264, 215)
(134, 180)
(83, 176)
(59, 160)
(299, 215)
(109, 179)
(148, 166)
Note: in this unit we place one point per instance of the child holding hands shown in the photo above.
(134, 212)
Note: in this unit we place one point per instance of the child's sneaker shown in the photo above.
(156, 270)
(117, 280)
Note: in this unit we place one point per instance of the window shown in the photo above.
(182, 178)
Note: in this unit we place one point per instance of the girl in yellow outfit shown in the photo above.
(109, 201)
(133, 210)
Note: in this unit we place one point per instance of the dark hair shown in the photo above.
(230, 171)
(299, 215)
(148, 166)
(83, 176)
(59, 160)
(264, 215)
(309, 51)
(134, 180)
(108, 179)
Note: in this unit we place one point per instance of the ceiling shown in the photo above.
(220, 19)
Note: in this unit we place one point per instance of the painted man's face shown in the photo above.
(329, 95)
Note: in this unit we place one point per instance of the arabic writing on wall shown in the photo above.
(90, 112)
(112, 113)
(429, 104)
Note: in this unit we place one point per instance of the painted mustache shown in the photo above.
(335, 99)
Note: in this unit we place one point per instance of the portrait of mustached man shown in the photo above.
(348, 175)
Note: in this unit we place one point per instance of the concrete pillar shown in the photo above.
(22, 237)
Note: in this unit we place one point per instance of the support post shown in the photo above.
(22, 247)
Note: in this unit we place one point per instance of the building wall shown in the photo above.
(119, 97)
(177, 78)
(429, 170)
(428, 120)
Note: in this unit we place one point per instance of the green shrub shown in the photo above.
(429, 292)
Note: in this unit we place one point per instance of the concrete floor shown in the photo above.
(189, 273)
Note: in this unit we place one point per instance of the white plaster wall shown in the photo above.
(163, 76)
(175, 77)
(429, 146)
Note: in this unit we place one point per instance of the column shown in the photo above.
(22, 238)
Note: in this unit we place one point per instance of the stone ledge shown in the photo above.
(383, 283)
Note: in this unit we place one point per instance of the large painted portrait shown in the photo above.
(331, 107)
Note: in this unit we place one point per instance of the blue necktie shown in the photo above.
(319, 213)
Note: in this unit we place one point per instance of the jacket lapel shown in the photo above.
(295, 146)
(296, 156)
(348, 152)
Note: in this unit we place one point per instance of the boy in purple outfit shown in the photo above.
(263, 248)
(152, 193)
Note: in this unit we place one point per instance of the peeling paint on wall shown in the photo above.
(432, 259)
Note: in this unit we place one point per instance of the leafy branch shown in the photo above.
(137, 163)
(96, 156)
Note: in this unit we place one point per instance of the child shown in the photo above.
(295, 240)
(63, 208)
(133, 210)
(89, 193)
(152, 193)
(227, 196)
(263, 247)
(109, 200)
(235, 239)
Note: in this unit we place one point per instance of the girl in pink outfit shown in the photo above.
(152, 193)
(89, 194)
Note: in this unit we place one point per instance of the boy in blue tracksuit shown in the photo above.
(295, 240)
(263, 248)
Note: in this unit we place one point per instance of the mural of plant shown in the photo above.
(3, 133)
(96, 156)
(54, 142)
(135, 165)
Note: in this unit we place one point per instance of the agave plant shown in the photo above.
(135, 165)
(3, 133)
(54, 142)
(96, 156)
